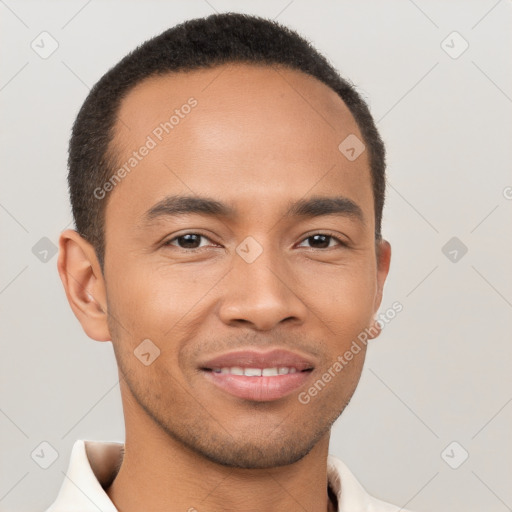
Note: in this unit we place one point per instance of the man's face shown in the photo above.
(256, 140)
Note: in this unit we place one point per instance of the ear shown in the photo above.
(383, 252)
(81, 275)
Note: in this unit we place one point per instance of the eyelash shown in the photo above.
(330, 235)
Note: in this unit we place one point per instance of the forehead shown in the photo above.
(236, 88)
(238, 131)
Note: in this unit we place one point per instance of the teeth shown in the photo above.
(256, 372)
(252, 372)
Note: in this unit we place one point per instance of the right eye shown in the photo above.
(190, 241)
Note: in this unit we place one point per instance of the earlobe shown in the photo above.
(84, 284)
(383, 263)
(375, 329)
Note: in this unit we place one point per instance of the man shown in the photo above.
(227, 188)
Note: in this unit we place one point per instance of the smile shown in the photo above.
(256, 372)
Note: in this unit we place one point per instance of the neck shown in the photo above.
(159, 474)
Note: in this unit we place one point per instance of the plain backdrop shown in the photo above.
(429, 426)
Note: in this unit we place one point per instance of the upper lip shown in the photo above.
(257, 359)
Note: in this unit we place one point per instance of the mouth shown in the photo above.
(258, 376)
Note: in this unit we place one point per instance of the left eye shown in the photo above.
(323, 241)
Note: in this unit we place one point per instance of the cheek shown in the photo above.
(160, 301)
(342, 295)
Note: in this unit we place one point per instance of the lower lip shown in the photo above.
(258, 389)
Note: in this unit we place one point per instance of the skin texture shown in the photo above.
(258, 139)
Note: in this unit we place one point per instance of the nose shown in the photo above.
(261, 294)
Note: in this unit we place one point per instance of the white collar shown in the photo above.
(81, 490)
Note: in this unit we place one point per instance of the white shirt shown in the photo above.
(82, 489)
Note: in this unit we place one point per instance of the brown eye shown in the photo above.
(187, 241)
(322, 241)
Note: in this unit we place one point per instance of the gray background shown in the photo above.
(439, 373)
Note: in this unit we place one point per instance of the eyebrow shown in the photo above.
(309, 208)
